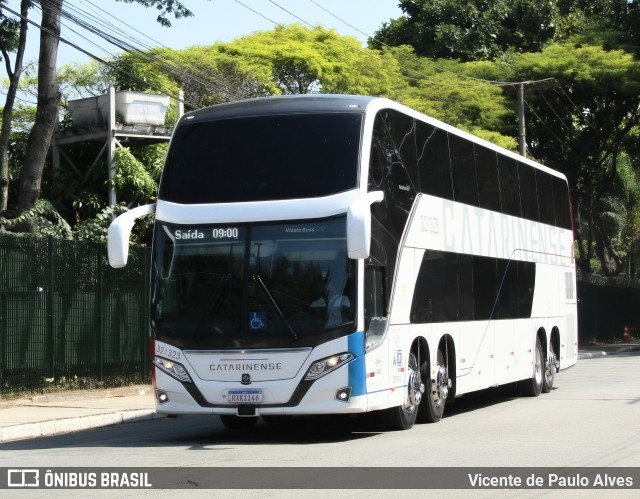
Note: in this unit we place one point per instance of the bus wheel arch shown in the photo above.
(552, 361)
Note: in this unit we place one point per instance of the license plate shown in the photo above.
(244, 396)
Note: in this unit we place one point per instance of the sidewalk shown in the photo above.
(64, 412)
(590, 351)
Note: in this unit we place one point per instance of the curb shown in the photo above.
(611, 350)
(69, 425)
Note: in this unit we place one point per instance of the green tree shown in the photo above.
(297, 60)
(13, 38)
(30, 178)
(583, 126)
(470, 29)
(206, 75)
(449, 91)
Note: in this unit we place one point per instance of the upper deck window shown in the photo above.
(263, 158)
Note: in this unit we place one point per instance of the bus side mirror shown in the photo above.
(359, 225)
(119, 232)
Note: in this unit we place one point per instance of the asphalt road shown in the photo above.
(590, 418)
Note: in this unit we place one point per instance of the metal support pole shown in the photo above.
(522, 137)
(111, 143)
(180, 104)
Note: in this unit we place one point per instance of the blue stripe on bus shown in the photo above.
(357, 366)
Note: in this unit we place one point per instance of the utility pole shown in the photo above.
(522, 134)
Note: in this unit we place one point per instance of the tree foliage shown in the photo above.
(457, 61)
(470, 29)
(582, 125)
(29, 182)
(294, 59)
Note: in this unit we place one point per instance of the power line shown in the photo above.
(374, 55)
(119, 37)
(115, 39)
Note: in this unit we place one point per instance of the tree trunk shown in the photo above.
(7, 113)
(47, 108)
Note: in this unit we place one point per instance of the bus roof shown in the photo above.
(262, 106)
(335, 103)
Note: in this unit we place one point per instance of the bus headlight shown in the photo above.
(172, 369)
(324, 366)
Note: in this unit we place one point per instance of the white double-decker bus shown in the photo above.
(341, 254)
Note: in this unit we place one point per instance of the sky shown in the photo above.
(213, 20)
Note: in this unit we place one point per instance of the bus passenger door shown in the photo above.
(375, 327)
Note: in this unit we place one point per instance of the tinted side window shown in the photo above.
(455, 287)
(488, 181)
(451, 287)
(432, 149)
(526, 287)
(509, 186)
(561, 202)
(508, 289)
(403, 133)
(484, 278)
(463, 170)
(428, 302)
(545, 197)
(387, 173)
(466, 288)
(528, 192)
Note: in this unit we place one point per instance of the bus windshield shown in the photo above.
(262, 158)
(221, 286)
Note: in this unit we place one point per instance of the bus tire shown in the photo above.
(533, 387)
(432, 406)
(404, 417)
(236, 423)
(549, 370)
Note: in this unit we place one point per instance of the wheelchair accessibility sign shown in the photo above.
(257, 321)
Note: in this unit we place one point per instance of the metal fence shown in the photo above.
(606, 306)
(67, 319)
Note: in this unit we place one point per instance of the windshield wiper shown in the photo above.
(258, 280)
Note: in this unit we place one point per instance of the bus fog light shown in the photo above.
(324, 366)
(162, 397)
(173, 369)
(344, 394)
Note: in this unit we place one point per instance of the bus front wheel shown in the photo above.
(404, 416)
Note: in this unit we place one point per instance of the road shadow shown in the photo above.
(200, 432)
(207, 432)
(475, 401)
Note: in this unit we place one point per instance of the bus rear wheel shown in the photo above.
(404, 416)
(550, 369)
(432, 407)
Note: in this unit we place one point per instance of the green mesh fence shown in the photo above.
(67, 319)
(606, 306)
